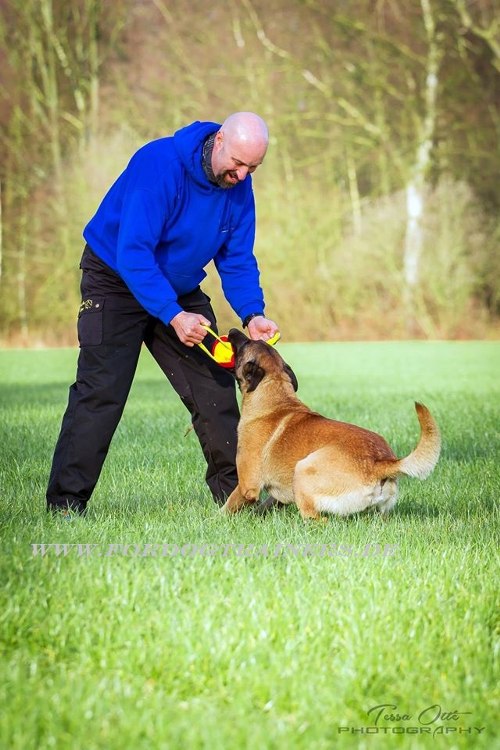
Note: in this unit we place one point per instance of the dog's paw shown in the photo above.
(316, 519)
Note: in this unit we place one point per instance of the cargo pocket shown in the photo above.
(90, 321)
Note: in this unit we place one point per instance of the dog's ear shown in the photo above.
(292, 377)
(253, 374)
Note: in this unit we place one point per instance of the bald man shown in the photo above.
(181, 202)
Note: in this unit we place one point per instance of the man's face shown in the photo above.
(232, 161)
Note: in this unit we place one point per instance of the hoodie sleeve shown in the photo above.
(144, 212)
(237, 265)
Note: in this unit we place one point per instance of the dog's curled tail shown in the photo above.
(424, 458)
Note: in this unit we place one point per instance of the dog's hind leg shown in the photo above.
(302, 494)
(333, 491)
(306, 507)
(389, 496)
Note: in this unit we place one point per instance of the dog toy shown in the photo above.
(222, 350)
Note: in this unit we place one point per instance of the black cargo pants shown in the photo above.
(112, 326)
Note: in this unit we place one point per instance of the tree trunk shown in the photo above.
(1, 233)
(416, 186)
(353, 192)
(21, 280)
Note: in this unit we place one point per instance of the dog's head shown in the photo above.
(256, 360)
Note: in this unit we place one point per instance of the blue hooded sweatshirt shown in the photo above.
(163, 221)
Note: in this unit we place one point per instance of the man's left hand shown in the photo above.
(261, 328)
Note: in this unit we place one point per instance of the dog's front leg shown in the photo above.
(237, 499)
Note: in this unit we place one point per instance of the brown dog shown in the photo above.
(300, 456)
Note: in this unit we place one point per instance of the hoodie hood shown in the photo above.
(189, 145)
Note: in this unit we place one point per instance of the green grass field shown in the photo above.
(228, 647)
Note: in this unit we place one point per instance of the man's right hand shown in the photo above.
(188, 327)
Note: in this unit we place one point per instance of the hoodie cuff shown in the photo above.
(169, 312)
(253, 308)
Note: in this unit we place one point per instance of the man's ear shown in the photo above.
(253, 374)
(292, 377)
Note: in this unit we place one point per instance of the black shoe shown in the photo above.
(68, 509)
(269, 504)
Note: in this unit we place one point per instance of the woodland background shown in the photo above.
(378, 201)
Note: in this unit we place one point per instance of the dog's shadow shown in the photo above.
(270, 507)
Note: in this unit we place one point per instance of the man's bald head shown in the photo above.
(240, 146)
(246, 128)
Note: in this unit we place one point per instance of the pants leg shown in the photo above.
(207, 391)
(111, 328)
